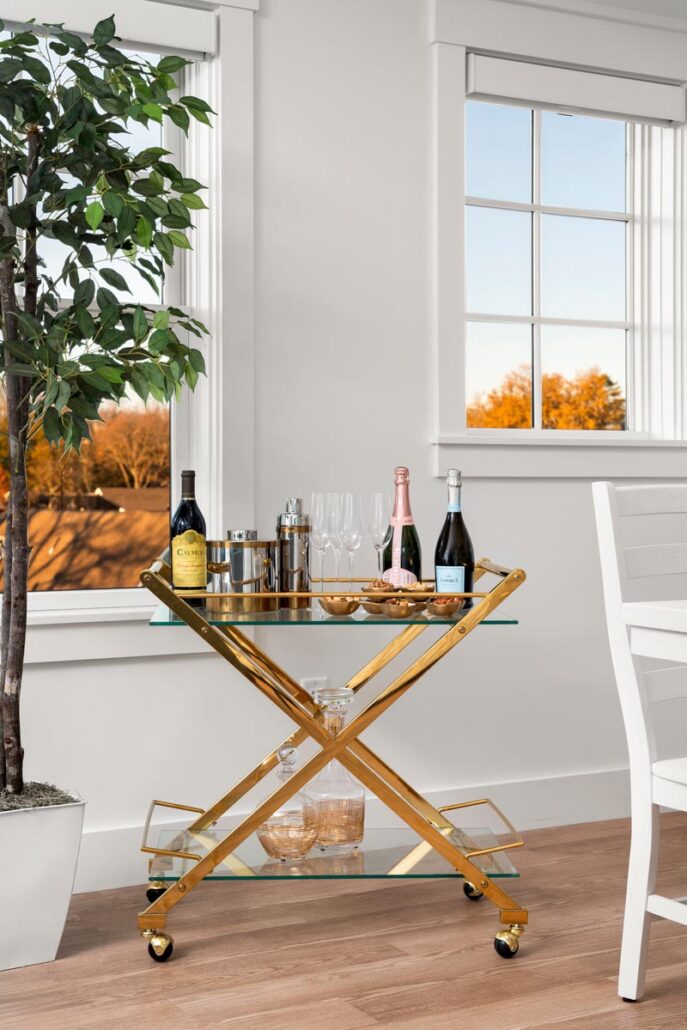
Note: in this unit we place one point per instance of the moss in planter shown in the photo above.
(35, 795)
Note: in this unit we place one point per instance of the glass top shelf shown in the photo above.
(314, 616)
(396, 851)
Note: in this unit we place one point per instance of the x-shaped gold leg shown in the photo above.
(361, 761)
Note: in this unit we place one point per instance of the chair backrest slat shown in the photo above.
(663, 499)
(666, 684)
(655, 560)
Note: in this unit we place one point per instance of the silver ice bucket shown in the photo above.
(244, 565)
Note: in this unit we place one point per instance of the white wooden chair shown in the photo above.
(658, 630)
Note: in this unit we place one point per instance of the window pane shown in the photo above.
(583, 268)
(53, 253)
(498, 257)
(583, 378)
(96, 519)
(499, 376)
(498, 148)
(582, 162)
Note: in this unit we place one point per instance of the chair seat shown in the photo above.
(674, 769)
(669, 615)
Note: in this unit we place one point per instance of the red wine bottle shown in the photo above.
(188, 549)
(402, 555)
(454, 558)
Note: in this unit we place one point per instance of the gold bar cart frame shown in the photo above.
(431, 824)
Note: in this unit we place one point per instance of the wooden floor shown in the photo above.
(349, 955)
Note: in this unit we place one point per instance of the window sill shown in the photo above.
(100, 625)
(492, 454)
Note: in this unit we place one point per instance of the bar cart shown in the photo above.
(429, 845)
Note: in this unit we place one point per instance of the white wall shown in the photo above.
(344, 394)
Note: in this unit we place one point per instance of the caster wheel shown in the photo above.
(153, 893)
(472, 892)
(507, 942)
(160, 947)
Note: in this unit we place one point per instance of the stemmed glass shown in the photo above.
(318, 529)
(351, 529)
(379, 525)
(333, 529)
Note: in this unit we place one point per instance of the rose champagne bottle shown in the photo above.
(402, 555)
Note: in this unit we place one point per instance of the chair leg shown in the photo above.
(641, 880)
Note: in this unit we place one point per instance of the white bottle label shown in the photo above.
(450, 579)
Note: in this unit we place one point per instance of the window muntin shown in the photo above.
(541, 264)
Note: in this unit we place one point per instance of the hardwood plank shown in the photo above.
(354, 955)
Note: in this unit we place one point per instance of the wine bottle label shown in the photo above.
(189, 561)
(450, 579)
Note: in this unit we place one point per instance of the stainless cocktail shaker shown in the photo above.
(293, 546)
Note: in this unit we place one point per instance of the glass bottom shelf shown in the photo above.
(383, 852)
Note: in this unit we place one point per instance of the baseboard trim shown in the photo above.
(110, 856)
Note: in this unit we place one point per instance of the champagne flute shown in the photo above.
(379, 525)
(351, 529)
(318, 529)
(333, 528)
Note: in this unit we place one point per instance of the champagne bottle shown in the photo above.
(402, 555)
(454, 558)
(187, 540)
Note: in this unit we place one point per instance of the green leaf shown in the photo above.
(165, 246)
(140, 384)
(195, 103)
(144, 233)
(113, 278)
(84, 293)
(193, 201)
(179, 116)
(179, 210)
(37, 70)
(21, 215)
(191, 375)
(9, 67)
(104, 31)
(52, 427)
(63, 394)
(197, 360)
(77, 195)
(65, 233)
(140, 324)
(161, 319)
(153, 111)
(200, 116)
(32, 328)
(188, 186)
(179, 240)
(94, 214)
(113, 203)
(85, 322)
(51, 393)
(84, 408)
(106, 299)
(172, 64)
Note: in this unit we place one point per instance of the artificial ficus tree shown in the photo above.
(75, 338)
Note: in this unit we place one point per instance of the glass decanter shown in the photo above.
(290, 832)
(339, 799)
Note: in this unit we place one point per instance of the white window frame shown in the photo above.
(213, 427)
(656, 320)
(536, 320)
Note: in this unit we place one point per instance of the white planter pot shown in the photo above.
(39, 848)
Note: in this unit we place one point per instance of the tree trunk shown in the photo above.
(17, 394)
(5, 635)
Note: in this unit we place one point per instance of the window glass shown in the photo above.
(583, 377)
(499, 261)
(582, 162)
(583, 268)
(499, 375)
(498, 151)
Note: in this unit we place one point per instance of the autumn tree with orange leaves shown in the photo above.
(589, 400)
